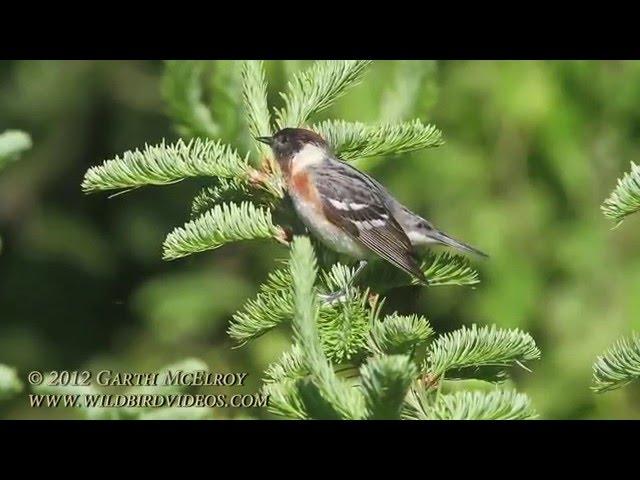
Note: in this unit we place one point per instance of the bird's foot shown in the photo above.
(334, 298)
(342, 295)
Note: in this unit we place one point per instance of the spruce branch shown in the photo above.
(497, 405)
(285, 400)
(183, 93)
(356, 140)
(254, 96)
(165, 164)
(229, 222)
(301, 399)
(339, 276)
(385, 382)
(344, 399)
(447, 268)
(442, 269)
(625, 198)
(320, 406)
(479, 346)
(292, 393)
(618, 366)
(226, 190)
(343, 327)
(343, 136)
(272, 306)
(12, 144)
(238, 205)
(290, 366)
(397, 334)
(315, 89)
(476, 405)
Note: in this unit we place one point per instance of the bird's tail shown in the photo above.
(445, 239)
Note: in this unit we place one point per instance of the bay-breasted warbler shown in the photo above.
(348, 210)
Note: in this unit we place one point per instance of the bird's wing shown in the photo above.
(355, 204)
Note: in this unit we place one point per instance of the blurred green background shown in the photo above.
(532, 148)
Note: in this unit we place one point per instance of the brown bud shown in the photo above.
(430, 380)
(284, 235)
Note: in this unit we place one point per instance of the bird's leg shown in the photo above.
(359, 270)
(341, 295)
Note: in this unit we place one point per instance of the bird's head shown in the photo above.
(296, 147)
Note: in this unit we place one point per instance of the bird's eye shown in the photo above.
(282, 140)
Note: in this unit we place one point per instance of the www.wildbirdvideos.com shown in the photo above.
(349, 211)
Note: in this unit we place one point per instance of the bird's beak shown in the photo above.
(267, 140)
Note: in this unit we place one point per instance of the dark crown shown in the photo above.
(300, 136)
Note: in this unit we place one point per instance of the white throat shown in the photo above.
(309, 155)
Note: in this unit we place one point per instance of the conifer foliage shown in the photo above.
(228, 210)
(625, 198)
(619, 365)
(394, 369)
(347, 360)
